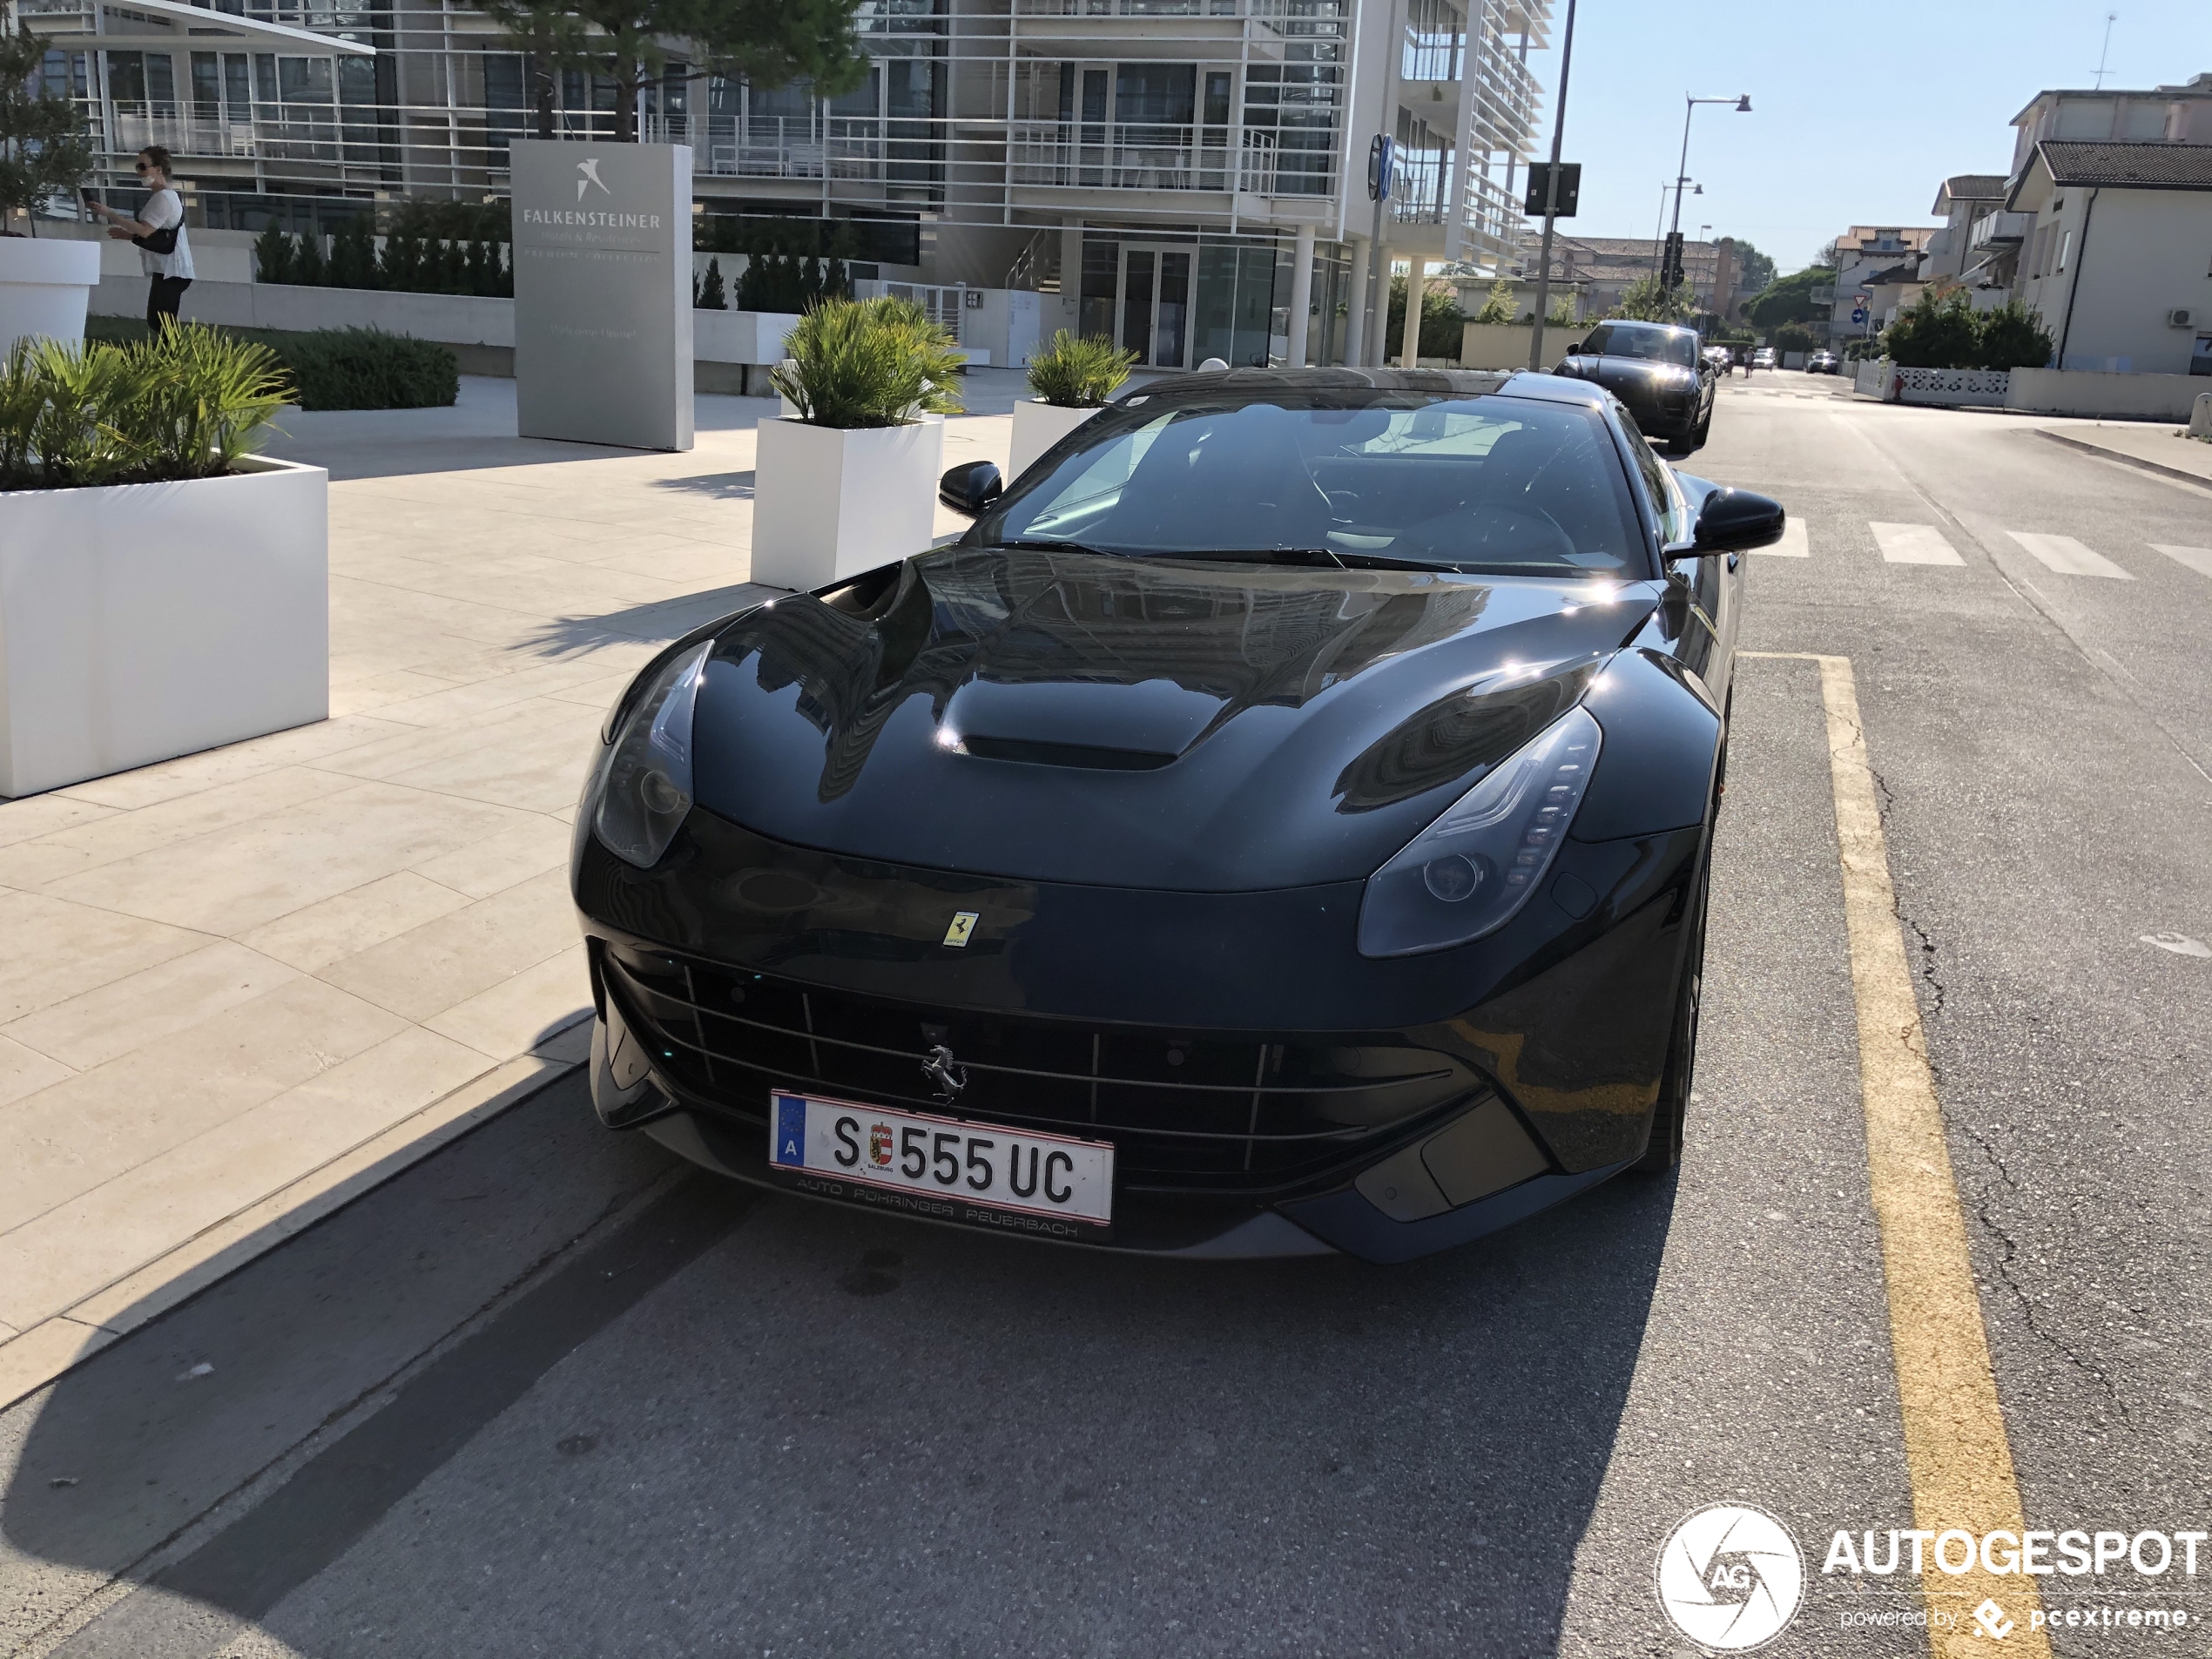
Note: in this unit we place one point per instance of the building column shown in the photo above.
(1294, 354)
(1409, 348)
(1355, 318)
(1071, 272)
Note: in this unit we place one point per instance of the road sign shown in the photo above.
(1382, 167)
(1858, 316)
(1570, 187)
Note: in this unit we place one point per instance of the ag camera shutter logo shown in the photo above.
(1731, 1577)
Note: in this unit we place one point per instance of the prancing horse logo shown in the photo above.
(949, 1075)
(589, 170)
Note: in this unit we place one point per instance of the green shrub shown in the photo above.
(1935, 332)
(352, 254)
(1499, 307)
(1079, 373)
(1442, 322)
(273, 254)
(2012, 336)
(868, 363)
(366, 369)
(708, 294)
(188, 403)
(1792, 336)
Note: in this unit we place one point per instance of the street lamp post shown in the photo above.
(1551, 199)
(1743, 103)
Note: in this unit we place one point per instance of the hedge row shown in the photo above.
(340, 368)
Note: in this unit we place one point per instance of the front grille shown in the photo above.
(1188, 1111)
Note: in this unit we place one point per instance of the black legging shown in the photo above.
(164, 295)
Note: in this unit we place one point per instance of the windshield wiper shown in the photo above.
(1034, 544)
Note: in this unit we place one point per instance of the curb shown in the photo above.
(34, 1357)
(2201, 480)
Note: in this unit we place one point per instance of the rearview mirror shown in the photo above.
(1732, 520)
(1573, 348)
(971, 487)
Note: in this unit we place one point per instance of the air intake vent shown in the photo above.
(1088, 756)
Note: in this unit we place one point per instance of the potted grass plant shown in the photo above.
(164, 588)
(1072, 379)
(848, 479)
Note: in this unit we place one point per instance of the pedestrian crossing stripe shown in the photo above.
(2198, 559)
(2063, 555)
(1915, 544)
(1792, 545)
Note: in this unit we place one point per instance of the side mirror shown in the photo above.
(1732, 520)
(1573, 348)
(973, 485)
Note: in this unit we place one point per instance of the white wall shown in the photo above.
(2144, 252)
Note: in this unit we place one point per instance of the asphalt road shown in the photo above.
(548, 1394)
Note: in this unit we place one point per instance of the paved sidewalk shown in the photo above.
(243, 986)
(2162, 448)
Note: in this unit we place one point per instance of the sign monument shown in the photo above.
(603, 292)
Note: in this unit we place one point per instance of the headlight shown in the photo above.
(1469, 873)
(646, 779)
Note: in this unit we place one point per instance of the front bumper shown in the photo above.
(1269, 1090)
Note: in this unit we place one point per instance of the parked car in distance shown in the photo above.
(1655, 370)
(1722, 359)
(1824, 362)
(1762, 358)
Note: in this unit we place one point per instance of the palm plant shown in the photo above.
(189, 403)
(868, 363)
(1075, 373)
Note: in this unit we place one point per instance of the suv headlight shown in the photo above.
(1470, 871)
(644, 787)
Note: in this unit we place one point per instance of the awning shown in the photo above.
(171, 25)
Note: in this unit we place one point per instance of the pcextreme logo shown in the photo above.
(1731, 1577)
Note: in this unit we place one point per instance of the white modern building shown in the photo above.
(1188, 175)
(2117, 258)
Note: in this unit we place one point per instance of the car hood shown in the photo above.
(1070, 717)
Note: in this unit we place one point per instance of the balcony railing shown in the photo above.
(1105, 155)
(2000, 228)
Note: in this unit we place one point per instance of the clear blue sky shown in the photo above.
(1858, 110)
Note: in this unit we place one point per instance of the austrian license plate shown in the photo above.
(1049, 1185)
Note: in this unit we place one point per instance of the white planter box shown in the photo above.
(44, 286)
(829, 504)
(141, 622)
(1037, 427)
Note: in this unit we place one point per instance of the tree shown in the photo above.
(273, 254)
(1754, 270)
(43, 146)
(1499, 307)
(630, 43)
(1790, 300)
(1562, 312)
(710, 296)
(1935, 332)
(1644, 301)
(2014, 337)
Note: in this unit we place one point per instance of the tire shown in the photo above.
(1664, 1150)
(1704, 431)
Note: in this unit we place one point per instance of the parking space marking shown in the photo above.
(1792, 545)
(1915, 544)
(2063, 555)
(2199, 559)
(1956, 1449)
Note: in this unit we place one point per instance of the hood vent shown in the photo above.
(1091, 757)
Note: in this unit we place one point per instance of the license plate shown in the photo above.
(982, 1174)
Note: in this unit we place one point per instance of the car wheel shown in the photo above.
(1664, 1150)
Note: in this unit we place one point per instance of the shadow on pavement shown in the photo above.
(746, 1421)
(663, 619)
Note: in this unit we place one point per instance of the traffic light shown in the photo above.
(1670, 262)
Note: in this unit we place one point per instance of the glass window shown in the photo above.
(1667, 504)
(1479, 483)
(1154, 94)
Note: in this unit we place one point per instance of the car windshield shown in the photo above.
(1479, 483)
(1655, 345)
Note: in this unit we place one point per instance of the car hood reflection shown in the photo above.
(1069, 716)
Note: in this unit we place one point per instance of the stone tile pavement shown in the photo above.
(237, 988)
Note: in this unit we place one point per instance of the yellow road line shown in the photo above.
(1956, 1450)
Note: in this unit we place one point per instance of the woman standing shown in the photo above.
(159, 232)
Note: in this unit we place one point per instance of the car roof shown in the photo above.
(1258, 385)
(1638, 322)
